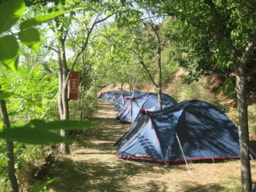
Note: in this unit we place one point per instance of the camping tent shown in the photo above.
(112, 96)
(119, 97)
(120, 101)
(189, 130)
(132, 106)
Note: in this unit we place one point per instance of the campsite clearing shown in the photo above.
(93, 167)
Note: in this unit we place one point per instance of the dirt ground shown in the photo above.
(93, 167)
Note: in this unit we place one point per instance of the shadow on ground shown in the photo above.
(88, 176)
(95, 174)
(83, 176)
(203, 188)
(102, 137)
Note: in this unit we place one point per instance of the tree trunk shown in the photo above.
(10, 150)
(241, 90)
(83, 83)
(81, 103)
(159, 60)
(63, 92)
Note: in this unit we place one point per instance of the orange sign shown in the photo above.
(73, 85)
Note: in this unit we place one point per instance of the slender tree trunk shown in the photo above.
(133, 79)
(159, 50)
(81, 107)
(159, 61)
(241, 89)
(10, 150)
(63, 93)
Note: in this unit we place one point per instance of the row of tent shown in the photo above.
(188, 130)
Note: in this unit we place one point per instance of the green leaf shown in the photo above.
(40, 19)
(5, 95)
(32, 136)
(69, 125)
(41, 132)
(39, 186)
(57, 125)
(39, 109)
(9, 52)
(31, 38)
(10, 12)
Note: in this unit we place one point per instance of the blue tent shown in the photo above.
(132, 106)
(120, 101)
(189, 130)
(130, 110)
(112, 96)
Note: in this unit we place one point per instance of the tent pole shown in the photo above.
(183, 154)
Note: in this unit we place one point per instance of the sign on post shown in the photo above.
(73, 85)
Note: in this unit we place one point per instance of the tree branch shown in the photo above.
(84, 45)
(146, 69)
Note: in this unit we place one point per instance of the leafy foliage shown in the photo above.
(39, 186)
(204, 31)
(10, 38)
(11, 12)
(118, 52)
(41, 132)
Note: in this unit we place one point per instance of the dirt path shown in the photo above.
(93, 166)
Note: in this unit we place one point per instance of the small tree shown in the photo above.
(65, 30)
(11, 13)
